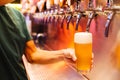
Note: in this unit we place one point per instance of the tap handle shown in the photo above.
(68, 20)
(107, 25)
(62, 21)
(48, 19)
(78, 4)
(56, 18)
(90, 17)
(77, 21)
(52, 18)
(109, 3)
(44, 20)
(90, 5)
(107, 28)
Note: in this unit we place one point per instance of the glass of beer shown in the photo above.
(83, 51)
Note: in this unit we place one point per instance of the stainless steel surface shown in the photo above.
(57, 71)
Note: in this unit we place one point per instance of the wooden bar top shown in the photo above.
(60, 70)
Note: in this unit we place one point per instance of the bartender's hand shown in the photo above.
(70, 53)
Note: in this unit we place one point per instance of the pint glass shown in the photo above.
(83, 51)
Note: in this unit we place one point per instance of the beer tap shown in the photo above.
(45, 17)
(48, 16)
(79, 16)
(91, 15)
(70, 9)
(63, 18)
(111, 12)
(52, 19)
(48, 19)
(109, 3)
(90, 5)
(78, 4)
(69, 17)
(56, 15)
(107, 25)
(61, 14)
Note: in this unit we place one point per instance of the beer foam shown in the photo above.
(83, 37)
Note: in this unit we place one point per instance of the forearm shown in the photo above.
(43, 56)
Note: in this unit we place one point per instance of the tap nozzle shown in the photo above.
(90, 17)
(68, 20)
(107, 25)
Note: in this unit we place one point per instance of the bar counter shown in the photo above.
(60, 70)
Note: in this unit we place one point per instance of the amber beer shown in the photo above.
(83, 51)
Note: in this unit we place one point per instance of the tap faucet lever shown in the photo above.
(109, 3)
(107, 25)
(90, 17)
(79, 16)
(52, 19)
(62, 21)
(90, 5)
(77, 21)
(68, 20)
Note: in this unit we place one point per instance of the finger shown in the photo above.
(72, 54)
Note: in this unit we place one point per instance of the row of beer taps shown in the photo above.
(52, 15)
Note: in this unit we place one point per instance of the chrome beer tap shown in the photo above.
(91, 15)
(48, 16)
(79, 16)
(107, 25)
(69, 17)
(62, 20)
(48, 19)
(111, 12)
(90, 5)
(109, 3)
(52, 19)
